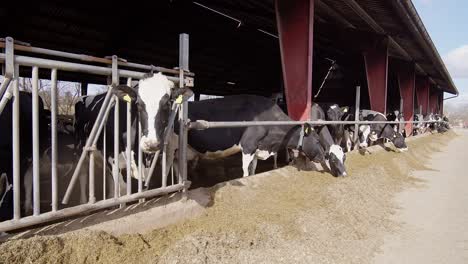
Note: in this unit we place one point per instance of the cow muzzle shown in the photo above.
(149, 145)
(402, 149)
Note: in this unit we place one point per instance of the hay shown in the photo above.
(288, 216)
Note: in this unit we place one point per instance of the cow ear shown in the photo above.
(344, 109)
(125, 93)
(181, 94)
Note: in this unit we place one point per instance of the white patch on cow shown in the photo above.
(151, 90)
(246, 160)
(333, 106)
(349, 143)
(338, 151)
(381, 114)
(263, 154)
(221, 153)
(365, 131)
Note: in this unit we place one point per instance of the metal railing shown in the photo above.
(9, 91)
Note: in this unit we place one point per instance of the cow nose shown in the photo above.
(363, 145)
(149, 145)
(344, 174)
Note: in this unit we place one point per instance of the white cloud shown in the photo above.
(457, 62)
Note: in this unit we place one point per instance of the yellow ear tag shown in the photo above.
(179, 99)
(306, 130)
(127, 98)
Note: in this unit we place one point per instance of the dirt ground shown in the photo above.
(285, 216)
(435, 216)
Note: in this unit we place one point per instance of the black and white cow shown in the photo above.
(373, 132)
(86, 113)
(335, 157)
(418, 128)
(260, 142)
(6, 155)
(398, 117)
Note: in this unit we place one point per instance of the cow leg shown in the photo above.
(28, 182)
(253, 165)
(275, 161)
(83, 183)
(246, 160)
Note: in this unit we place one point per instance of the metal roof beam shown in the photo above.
(377, 28)
(333, 14)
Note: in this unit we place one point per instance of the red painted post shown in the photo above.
(376, 62)
(406, 82)
(422, 93)
(434, 101)
(295, 20)
(441, 103)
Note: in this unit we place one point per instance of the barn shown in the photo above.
(304, 50)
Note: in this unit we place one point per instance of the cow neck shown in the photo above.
(292, 137)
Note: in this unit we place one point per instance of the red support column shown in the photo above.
(441, 103)
(406, 82)
(422, 93)
(376, 60)
(295, 20)
(434, 101)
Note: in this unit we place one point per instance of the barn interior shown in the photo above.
(234, 45)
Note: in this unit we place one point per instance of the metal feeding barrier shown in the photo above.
(9, 91)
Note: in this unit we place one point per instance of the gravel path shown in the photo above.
(436, 216)
(284, 216)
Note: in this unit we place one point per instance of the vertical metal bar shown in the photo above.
(116, 172)
(84, 88)
(183, 113)
(16, 143)
(183, 52)
(53, 106)
(115, 70)
(92, 197)
(116, 149)
(400, 126)
(163, 167)
(35, 140)
(140, 160)
(129, 142)
(104, 163)
(172, 175)
(356, 116)
(420, 109)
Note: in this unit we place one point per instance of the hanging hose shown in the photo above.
(332, 67)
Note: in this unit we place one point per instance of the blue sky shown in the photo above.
(447, 24)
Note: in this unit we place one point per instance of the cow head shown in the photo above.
(157, 94)
(336, 113)
(335, 161)
(311, 146)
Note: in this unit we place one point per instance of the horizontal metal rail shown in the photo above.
(88, 58)
(202, 124)
(67, 212)
(76, 67)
